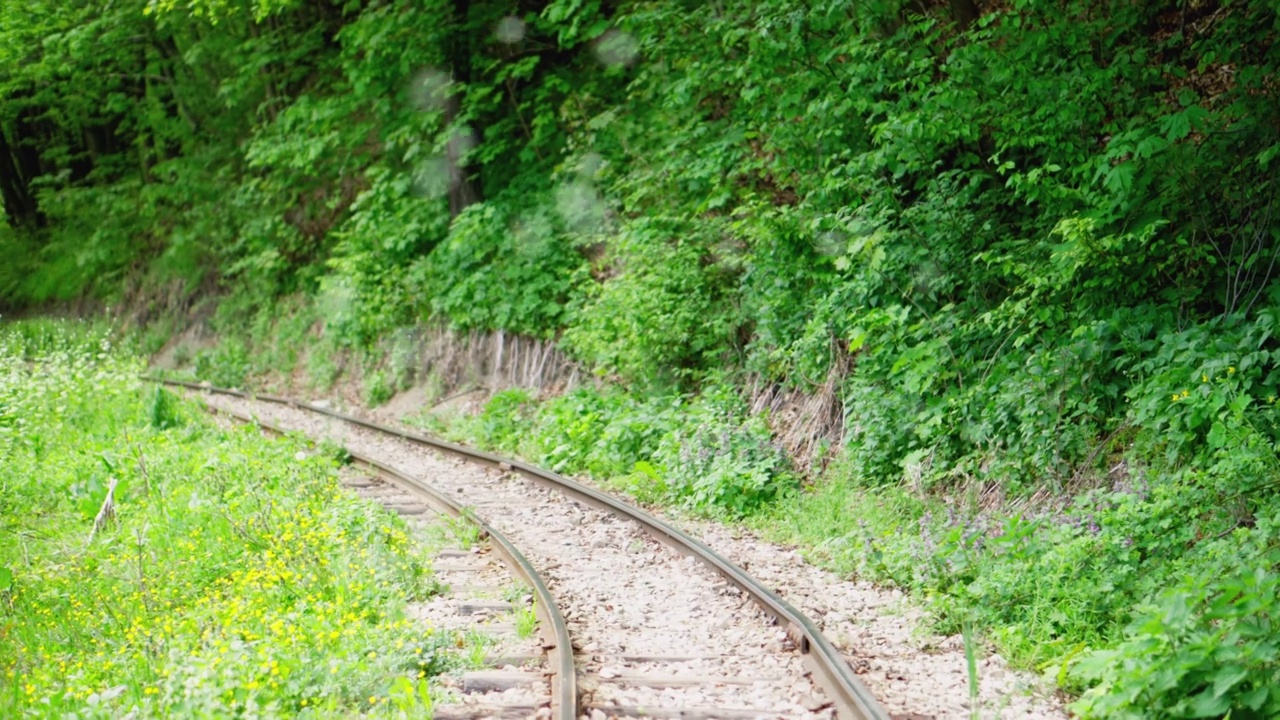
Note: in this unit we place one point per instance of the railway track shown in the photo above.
(637, 618)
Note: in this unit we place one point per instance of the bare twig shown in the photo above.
(105, 513)
(142, 568)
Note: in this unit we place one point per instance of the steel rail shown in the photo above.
(564, 681)
(852, 699)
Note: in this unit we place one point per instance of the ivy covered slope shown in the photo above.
(156, 565)
(1028, 251)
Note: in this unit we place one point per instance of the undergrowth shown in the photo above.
(703, 453)
(156, 564)
(1150, 595)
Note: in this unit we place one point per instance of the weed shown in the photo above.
(164, 409)
(515, 592)
(477, 645)
(526, 621)
(377, 388)
(971, 665)
(464, 532)
(705, 454)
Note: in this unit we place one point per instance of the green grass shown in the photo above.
(526, 621)
(231, 576)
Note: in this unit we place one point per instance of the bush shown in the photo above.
(702, 453)
(1205, 648)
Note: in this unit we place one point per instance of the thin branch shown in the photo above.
(105, 513)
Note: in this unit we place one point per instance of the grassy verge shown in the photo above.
(155, 564)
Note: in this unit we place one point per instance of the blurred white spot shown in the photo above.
(616, 48)
(589, 165)
(831, 242)
(510, 30)
(581, 207)
(531, 230)
(429, 89)
(462, 141)
(299, 456)
(432, 177)
(337, 301)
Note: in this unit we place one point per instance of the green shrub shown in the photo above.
(226, 365)
(1206, 647)
(378, 388)
(663, 318)
(702, 453)
(505, 265)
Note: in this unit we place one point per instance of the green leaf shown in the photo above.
(1255, 698)
(1217, 437)
(1207, 704)
(857, 339)
(1227, 678)
(6, 578)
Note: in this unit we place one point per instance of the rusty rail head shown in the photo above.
(852, 699)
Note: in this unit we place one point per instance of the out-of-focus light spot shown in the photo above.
(338, 301)
(510, 30)
(616, 48)
(429, 89)
(461, 141)
(581, 207)
(590, 164)
(531, 231)
(432, 177)
(831, 242)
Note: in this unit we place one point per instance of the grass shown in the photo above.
(464, 532)
(227, 574)
(515, 592)
(526, 621)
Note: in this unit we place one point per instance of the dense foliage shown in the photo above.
(703, 454)
(1031, 246)
(227, 574)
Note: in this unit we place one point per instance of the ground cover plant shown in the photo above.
(154, 563)
(703, 453)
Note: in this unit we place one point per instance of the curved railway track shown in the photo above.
(845, 695)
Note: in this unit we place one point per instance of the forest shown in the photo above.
(976, 298)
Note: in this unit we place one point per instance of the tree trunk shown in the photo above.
(964, 12)
(463, 182)
(19, 204)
